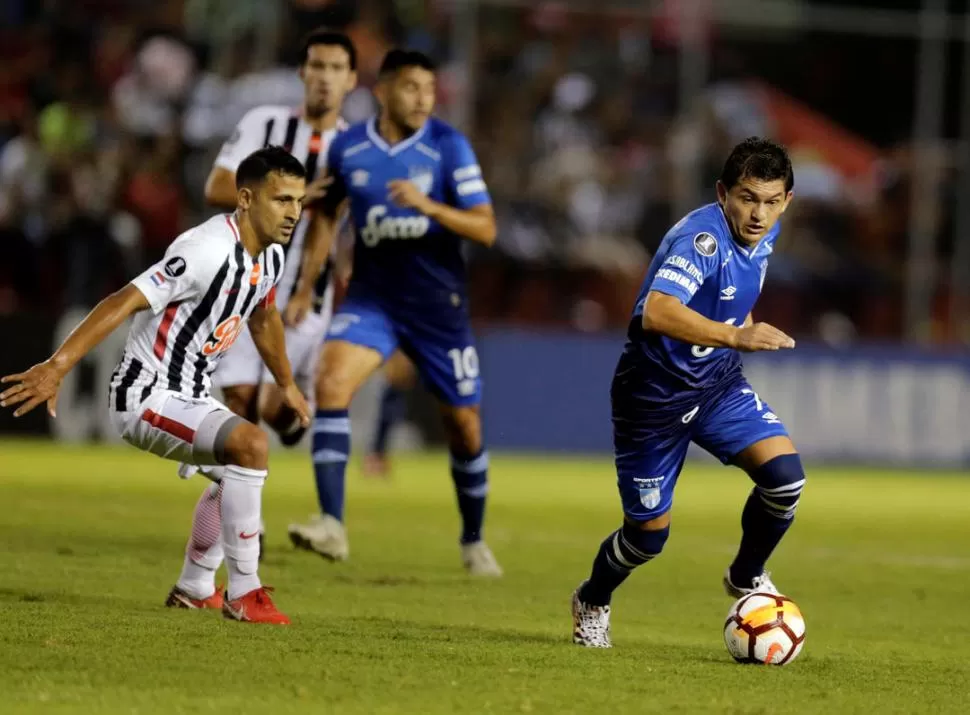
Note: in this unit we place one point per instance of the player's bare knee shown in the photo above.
(658, 523)
(463, 426)
(248, 447)
(333, 390)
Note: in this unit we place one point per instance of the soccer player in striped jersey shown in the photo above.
(187, 310)
(328, 71)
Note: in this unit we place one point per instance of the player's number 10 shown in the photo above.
(465, 363)
(700, 352)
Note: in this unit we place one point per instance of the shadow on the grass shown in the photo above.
(425, 633)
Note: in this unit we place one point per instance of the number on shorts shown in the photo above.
(757, 400)
(464, 362)
(700, 352)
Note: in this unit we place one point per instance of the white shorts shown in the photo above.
(173, 426)
(242, 365)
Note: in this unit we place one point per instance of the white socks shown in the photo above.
(241, 501)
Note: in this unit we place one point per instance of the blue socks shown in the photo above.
(331, 449)
(621, 552)
(767, 514)
(470, 476)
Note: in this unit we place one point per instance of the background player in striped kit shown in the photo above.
(328, 71)
(186, 311)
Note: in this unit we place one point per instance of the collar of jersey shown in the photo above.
(379, 142)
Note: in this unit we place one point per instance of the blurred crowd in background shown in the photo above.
(111, 112)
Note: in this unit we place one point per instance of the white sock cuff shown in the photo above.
(231, 471)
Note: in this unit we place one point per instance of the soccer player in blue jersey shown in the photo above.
(679, 380)
(416, 194)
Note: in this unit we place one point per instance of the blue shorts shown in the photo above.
(442, 351)
(651, 436)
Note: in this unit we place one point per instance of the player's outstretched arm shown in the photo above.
(41, 382)
(666, 315)
(266, 328)
(476, 223)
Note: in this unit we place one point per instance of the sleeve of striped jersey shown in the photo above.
(249, 135)
(463, 174)
(184, 273)
(684, 270)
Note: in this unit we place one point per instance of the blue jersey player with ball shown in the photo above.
(416, 195)
(679, 380)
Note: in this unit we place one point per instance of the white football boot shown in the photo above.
(591, 624)
(479, 560)
(324, 535)
(760, 584)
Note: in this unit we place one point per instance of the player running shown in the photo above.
(416, 192)
(187, 310)
(679, 380)
(328, 71)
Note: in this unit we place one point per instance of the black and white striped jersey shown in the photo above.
(285, 127)
(201, 295)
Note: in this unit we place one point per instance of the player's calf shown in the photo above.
(767, 516)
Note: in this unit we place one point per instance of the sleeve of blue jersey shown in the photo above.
(684, 269)
(463, 174)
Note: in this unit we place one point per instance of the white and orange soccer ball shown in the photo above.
(764, 628)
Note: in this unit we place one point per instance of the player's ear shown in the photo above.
(721, 192)
(380, 91)
(244, 198)
(788, 199)
(352, 80)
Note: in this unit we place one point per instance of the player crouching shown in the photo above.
(186, 311)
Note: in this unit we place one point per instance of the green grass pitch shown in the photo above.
(91, 539)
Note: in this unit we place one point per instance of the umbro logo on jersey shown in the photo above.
(728, 293)
(359, 177)
(705, 244)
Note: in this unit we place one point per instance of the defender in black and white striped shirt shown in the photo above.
(187, 310)
(328, 71)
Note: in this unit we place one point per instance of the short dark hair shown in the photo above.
(263, 162)
(399, 58)
(758, 158)
(323, 36)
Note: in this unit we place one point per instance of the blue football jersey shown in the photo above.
(701, 264)
(402, 258)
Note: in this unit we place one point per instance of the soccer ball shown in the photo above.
(764, 628)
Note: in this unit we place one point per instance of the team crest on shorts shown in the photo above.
(649, 491)
(705, 244)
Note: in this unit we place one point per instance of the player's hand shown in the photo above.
(294, 399)
(29, 389)
(317, 189)
(297, 308)
(407, 195)
(761, 336)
